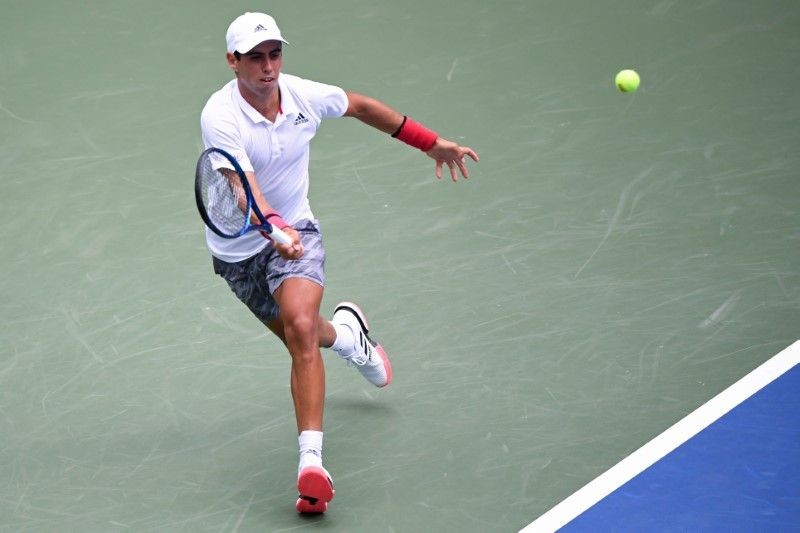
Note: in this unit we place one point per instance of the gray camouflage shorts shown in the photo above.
(256, 278)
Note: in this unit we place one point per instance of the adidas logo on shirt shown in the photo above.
(301, 119)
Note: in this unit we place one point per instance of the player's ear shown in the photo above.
(233, 61)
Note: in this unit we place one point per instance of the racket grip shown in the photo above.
(280, 236)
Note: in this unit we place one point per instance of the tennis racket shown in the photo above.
(225, 200)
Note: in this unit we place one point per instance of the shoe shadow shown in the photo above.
(363, 405)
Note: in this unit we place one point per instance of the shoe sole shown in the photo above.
(362, 320)
(386, 364)
(315, 490)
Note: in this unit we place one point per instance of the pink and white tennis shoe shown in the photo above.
(315, 489)
(369, 357)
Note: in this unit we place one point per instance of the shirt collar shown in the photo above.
(288, 104)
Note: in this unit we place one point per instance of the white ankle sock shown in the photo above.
(345, 341)
(310, 443)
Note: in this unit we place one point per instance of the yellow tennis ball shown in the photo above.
(627, 80)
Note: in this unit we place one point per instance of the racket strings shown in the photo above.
(223, 197)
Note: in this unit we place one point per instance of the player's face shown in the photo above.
(258, 69)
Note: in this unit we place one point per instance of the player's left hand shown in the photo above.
(448, 153)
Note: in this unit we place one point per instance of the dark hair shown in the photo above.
(237, 55)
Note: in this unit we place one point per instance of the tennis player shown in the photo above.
(266, 120)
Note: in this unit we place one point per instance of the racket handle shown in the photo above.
(280, 236)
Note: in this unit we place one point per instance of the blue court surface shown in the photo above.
(731, 465)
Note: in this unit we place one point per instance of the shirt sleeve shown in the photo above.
(220, 130)
(326, 100)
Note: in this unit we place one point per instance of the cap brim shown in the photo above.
(254, 40)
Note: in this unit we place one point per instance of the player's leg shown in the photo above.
(325, 332)
(299, 300)
(296, 287)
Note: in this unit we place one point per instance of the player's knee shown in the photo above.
(301, 326)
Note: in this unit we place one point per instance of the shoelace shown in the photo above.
(362, 358)
(358, 359)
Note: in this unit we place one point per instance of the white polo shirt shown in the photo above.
(278, 153)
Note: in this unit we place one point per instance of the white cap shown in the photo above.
(250, 30)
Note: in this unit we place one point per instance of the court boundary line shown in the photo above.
(680, 432)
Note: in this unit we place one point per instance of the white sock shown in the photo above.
(310, 443)
(345, 342)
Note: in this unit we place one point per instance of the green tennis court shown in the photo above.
(614, 261)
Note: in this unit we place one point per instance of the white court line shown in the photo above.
(647, 455)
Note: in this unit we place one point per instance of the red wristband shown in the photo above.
(276, 221)
(415, 134)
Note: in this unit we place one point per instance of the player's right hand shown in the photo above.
(290, 251)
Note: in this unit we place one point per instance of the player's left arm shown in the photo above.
(382, 117)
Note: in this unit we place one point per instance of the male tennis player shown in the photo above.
(266, 120)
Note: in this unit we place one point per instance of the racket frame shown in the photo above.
(276, 234)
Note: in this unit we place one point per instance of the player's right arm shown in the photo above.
(293, 251)
(221, 131)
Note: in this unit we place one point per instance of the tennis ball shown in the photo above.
(627, 80)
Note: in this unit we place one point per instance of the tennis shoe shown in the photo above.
(369, 356)
(315, 490)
